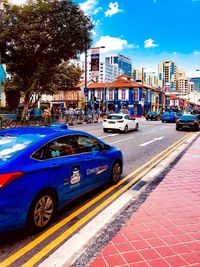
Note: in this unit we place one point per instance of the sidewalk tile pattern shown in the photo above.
(165, 230)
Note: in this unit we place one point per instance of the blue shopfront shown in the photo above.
(137, 100)
(2, 79)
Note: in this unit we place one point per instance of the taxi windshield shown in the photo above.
(10, 145)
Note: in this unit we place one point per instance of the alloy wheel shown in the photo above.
(43, 211)
(116, 172)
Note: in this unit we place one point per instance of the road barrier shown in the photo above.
(45, 121)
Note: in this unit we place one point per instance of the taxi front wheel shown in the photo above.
(116, 172)
(42, 211)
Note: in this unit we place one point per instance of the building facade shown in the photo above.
(107, 72)
(149, 78)
(196, 81)
(124, 63)
(167, 75)
(124, 93)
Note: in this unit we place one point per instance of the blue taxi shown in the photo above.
(169, 116)
(43, 168)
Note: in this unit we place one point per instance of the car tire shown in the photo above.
(116, 172)
(105, 130)
(126, 129)
(146, 119)
(177, 128)
(42, 211)
(162, 121)
(137, 126)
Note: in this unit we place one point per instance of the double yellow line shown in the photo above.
(38, 256)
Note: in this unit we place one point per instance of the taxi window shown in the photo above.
(60, 147)
(11, 146)
(87, 144)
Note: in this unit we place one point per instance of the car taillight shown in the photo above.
(6, 178)
(177, 120)
(120, 121)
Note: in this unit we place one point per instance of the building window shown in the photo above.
(123, 94)
(110, 94)
(99, 94)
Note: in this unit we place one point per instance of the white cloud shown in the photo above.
(149, 43)
(114, 9)
(196, 53)
(94, 33)
(113, 44)
(97, 22)
(89, 6)
(97, 10)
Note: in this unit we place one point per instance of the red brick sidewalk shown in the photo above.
(165, 230)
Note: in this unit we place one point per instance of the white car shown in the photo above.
(122, 122)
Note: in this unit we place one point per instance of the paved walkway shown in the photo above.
(165, 230)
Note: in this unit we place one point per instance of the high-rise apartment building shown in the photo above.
(182, 83)
(149, 78)
(167, 75)
(196, 81)
(191, 87)
(107, 72)
(124, 63)
(137, 74)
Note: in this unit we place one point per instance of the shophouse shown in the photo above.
(124, 93)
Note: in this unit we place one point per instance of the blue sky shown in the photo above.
(147, 31)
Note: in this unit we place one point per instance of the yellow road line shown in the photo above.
(53, 229)
(37, 257)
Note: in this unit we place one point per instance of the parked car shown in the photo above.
(43, 168)
(169, 116)
(153, 115)
(188, 121)
(121, 122)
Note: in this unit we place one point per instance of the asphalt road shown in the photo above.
(137, 146)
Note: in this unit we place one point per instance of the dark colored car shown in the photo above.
(42, 169)
(153, 115)
(179, 114)
(169, 116)
(188, 121)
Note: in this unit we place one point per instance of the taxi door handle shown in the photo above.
(54, 165)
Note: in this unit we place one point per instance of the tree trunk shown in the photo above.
(26, 106)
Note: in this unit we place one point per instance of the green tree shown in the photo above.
(37, 38)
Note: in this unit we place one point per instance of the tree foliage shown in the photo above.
(37, 38)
